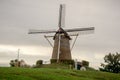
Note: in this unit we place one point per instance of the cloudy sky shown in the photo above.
(18, 16)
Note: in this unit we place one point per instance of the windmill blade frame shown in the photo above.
(61, 16)
(33, 31)
(79, 29)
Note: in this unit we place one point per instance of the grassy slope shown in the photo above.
(53, 74)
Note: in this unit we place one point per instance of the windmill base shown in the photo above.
(62, 61)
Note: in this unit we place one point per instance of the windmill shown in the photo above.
(61, 47)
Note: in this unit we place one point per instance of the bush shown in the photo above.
(53, 61)
(12, 63)
(67, 62)
(85, 63)
(63, 61)
(39, 63)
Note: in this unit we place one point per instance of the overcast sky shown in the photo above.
(18, 16)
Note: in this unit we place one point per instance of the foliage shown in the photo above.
(53, 61)
(12, 63)
(112, 63)
(14, 73)
(69, 62)
(16, 63)
(85, 63)
(55, 66)
(39, 63)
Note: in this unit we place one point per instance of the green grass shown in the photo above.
(7, 73)
(55, 66)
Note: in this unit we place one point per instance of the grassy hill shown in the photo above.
(7, 73)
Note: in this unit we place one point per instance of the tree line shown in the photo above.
(111, 63)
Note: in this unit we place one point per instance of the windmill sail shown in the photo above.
(62, 16)
(34, 31)
(79, 29)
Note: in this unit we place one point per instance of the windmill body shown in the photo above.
(61, 43)
(61, 47)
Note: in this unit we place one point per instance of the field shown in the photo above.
(7, 73)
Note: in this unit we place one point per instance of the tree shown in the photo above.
(16, 63)
(12, 63)
(39, 63)
(85, 63)
(112, 63)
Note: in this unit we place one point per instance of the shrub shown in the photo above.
(85, 63)
(63, 61)
(39, 63)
